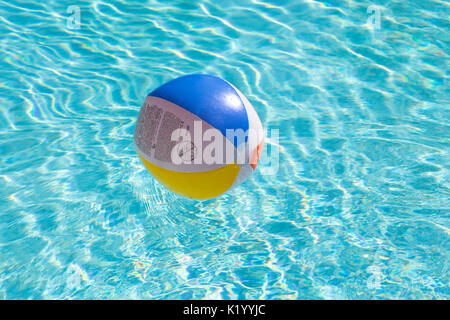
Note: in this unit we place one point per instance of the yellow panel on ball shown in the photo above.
(195, 185)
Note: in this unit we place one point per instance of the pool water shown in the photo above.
(358, 207)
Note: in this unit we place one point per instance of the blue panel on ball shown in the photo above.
(210, 98)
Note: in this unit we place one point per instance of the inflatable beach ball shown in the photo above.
(198, 136)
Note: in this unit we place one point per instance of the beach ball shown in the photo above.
(198, 135)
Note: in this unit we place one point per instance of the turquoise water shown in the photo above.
(359, 206)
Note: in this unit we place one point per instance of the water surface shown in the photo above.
(359, 208)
